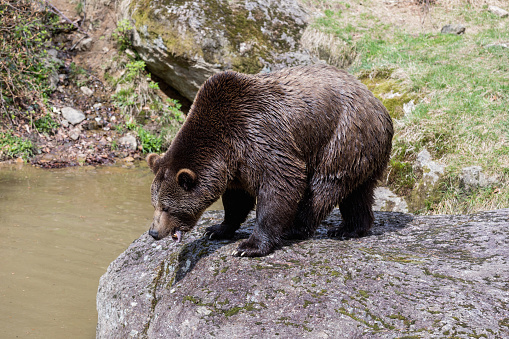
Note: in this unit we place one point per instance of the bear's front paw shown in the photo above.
(220, 231)
(345, 233)
(253, 247)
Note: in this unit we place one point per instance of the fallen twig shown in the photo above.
(65, 18)
(77, 42)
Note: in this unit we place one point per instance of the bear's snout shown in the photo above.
(154, 234)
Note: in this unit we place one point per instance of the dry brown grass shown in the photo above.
(329, 48)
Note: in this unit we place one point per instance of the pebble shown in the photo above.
(498, 11)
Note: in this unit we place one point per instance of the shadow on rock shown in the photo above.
(192, 252)
(385, 222)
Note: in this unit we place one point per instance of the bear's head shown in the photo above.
(175, 199)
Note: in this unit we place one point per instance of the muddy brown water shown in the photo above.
(60, 229)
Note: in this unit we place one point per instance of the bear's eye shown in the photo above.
(165, 209)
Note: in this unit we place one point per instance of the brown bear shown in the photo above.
(296, 143)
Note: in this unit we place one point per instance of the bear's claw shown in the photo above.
(239, 253)
(219, 231)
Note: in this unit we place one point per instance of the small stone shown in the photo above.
(386, 200)
(431, 169)
(474, 177)
(81, 158)
(432, 172)
(53, 54)
(453, 29)
(129, 159)
(498, 11)
(392, 95)
(130, 53)
(409, 107)
(203, 310)
(84, 44)
(87, 91)
(498, 44)
(74, 116)
(92, 125)
(53, 81)
(47, 158)
(74, 134)
(129, 140)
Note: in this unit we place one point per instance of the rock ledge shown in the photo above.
(420, 276)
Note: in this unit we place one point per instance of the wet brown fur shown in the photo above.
(298, 141)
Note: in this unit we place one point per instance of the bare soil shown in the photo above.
(95, 140)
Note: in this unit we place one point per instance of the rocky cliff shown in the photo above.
(419, 276)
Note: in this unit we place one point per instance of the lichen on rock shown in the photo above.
(414, 276)
(427, 188)
(184, 42)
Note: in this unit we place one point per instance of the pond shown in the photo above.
(60, 231)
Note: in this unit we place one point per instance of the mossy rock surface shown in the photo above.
(413, 276)
(184, 42)
(389, 90)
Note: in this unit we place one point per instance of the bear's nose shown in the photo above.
(154, 234)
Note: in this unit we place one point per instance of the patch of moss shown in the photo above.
(439, 141)
(423, 197)
(284, 321)
(232, 311)
(364, 294)
(178, 43)
(389, 91)
(242, 29)
(307, 303)
(236, 309)
(401, 176)
(249, 65)
(192, 299)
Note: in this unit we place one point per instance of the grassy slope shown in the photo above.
(461, 87)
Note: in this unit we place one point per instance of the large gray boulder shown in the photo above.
(415, 276)
(185, 42)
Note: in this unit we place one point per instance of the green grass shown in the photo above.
(46, 124)
(461, 90)
(12, 146)
(149, 142)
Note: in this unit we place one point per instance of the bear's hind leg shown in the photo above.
(313, 208)
(357, 213)
(237, 205)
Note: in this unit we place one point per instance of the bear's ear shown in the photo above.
(152, 160)
(186, 178)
